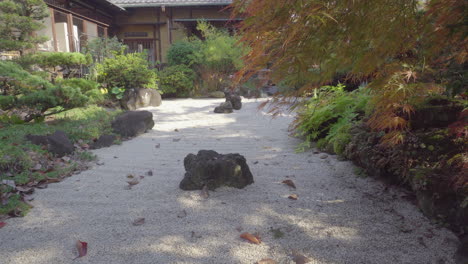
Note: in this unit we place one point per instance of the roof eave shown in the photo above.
(170, 5)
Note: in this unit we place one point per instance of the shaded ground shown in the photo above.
(338, 218)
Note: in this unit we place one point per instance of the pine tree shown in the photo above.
(19, 19)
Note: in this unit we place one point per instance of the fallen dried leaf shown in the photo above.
(251, 238)
(239, 229)
(194, 235)
(133, 182)
(176, 130)
(149, 173)
(267, 261)
(299, 258)
(27, 190)
(293, 196)
(176, 139)
(52, 180)
(157, 145)
(142, 177)
(2, 224)
(82, 248)
(130, 176)
(139, 221)
(212, 128)
(204, 192)
(289, 183)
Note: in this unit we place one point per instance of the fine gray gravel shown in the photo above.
(338, 217)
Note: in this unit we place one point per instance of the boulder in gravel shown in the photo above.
(224, 108)
(211, 169)
(138, 98)
(104, 141)
(57, 143)
(133, 123)
(235, 100)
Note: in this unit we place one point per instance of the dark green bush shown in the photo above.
(127, 71)
(95, 96)
(183, 52)
(54, 59)
(65, 97)
(84, 84)
(6, 101)
(19, 80)
(177, 80)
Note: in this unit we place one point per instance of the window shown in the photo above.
(61, 31)
(79, 36)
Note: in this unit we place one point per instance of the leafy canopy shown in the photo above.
(18, 20)
(402, 46)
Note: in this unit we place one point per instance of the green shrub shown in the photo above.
(127, 71)
(329, 115)
(84, 84)
(54, 59)
(177, 80)
(183, 52)
(64, 97)
(6, 101)
(95, 96)
(19, 80)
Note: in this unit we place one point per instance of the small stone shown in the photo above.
(324, 156)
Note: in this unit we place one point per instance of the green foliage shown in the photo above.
(65, 97)
(183, 52)
(127, 71)
(328, 116)
(18, 21)
(6, 101)
(19, 80)
(101, 48)
(177, 80)
(54, 59)
(84, 84)
(118, 92)
(95, 96)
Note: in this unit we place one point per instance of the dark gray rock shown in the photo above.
(57, 143)
(133, 123)
(461, 256)
(138, 98)
(224, 108)
(235, 99)
(215, 170)
(104, 141)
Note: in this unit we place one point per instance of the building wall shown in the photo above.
(145, 20)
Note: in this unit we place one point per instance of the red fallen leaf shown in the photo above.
(139, 221)
(267, 261)
(2, 224)
(251, 238)
(289, 183)
(293, 196)
(82, 248)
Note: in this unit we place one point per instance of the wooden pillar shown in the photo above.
(70, 32)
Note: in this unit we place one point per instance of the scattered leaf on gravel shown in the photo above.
(194, 235)
(176, 139)
(2, 224)
(157, 145)
(52, 180)
(133, 182)
(324, 156)
(266, 261)
(142, 177)
(139, 221)
(42, 186)
(149, 173)
(130, 176)
(299, 258)
(82, 248)
(289, 183)
(212, 128)
(239, 229)
(204, 192)
(251, 238)
(176, 130)
(255, 162)
(293, 196)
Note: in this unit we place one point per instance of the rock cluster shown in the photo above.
(233, 101)
(211, 169)
(133, 123)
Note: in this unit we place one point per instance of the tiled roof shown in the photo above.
(146, 3)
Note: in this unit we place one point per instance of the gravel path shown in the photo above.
(338, 217)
